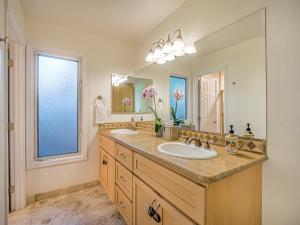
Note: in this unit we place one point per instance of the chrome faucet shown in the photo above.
(133, 124)
(188, 141)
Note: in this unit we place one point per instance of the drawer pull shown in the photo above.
(123, 179)
(122, 205)
(156, 216)
(153, 212)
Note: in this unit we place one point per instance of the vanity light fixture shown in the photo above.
(163, 51)
(117, 79)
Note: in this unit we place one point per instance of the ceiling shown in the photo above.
(127, 20)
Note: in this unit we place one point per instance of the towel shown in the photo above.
(100, 111)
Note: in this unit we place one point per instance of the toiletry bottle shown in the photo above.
(248, 132)
(231, 142)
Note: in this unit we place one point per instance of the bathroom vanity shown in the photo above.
(149, 187)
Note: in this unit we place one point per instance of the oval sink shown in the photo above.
(185, 151)
(124, 131)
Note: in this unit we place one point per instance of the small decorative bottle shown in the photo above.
(231, 142)
(248, 132)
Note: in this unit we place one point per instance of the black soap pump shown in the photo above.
(248, 132)
(231, 142)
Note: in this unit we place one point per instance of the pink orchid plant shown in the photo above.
(178, 96)
(126, 102)
(151, 92)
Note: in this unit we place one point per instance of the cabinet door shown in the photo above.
(144, 197)
(103, 168)
(110, 187)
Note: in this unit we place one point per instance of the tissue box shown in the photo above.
(170, 133)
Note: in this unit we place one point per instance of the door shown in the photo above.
(107, 173)
(145, 197)
(103, 168)
(110, 187)
(208, 104)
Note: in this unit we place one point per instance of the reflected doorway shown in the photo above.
(211, 102)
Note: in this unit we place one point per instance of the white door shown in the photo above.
(208, 104)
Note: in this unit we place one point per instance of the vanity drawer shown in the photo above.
(144, 198)
(124, 180)
(188, 197)
(124, 156)
(124, 206)
(108, 145)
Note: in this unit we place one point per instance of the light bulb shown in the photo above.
(158, 53)
(149, 57)
(190, 49)
(178, 44)
(167, 47)
(161, 60)
(170, 57)
(179, 53)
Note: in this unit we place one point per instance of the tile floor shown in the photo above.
(87, 207)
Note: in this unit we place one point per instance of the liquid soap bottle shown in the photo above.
(248, 132)
(231, 142)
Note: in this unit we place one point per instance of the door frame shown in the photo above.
(16, 110)
(195, 100)
(3, 117)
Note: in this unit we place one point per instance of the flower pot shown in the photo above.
(160, 132)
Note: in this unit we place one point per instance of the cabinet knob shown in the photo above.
(123, 179)
(122, 205)
(104, 162)
(123, 155)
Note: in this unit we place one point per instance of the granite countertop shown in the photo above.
(199, 171)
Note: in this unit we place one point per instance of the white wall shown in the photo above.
(101, 57)
(281, 183)
(244, 64)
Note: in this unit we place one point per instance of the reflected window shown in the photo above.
(57, 105)
(179, 84)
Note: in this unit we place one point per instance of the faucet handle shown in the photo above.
(207, 145)
(186, 140)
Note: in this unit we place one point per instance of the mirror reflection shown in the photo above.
(223, 84)
(127, 94)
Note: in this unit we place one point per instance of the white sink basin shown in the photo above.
(124, 131)
(185, 151)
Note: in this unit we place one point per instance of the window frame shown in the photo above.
(33, 161)
(186, 94)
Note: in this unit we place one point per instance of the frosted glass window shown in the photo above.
(57, 106)
(180, 84)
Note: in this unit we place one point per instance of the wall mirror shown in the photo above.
(127, 94)
(224, 83)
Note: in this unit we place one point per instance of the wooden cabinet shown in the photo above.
(135, 183)
(110, 186)
(144, 198)
(107, 173)
(103, 167)
(124, 206)
(178, 190)
(124, 180)
(124, 156)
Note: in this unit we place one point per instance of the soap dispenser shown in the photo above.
(231, 142)
(248, 132)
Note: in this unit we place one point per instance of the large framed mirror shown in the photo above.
(223, 84)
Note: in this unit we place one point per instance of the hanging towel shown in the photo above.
(100, 111)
